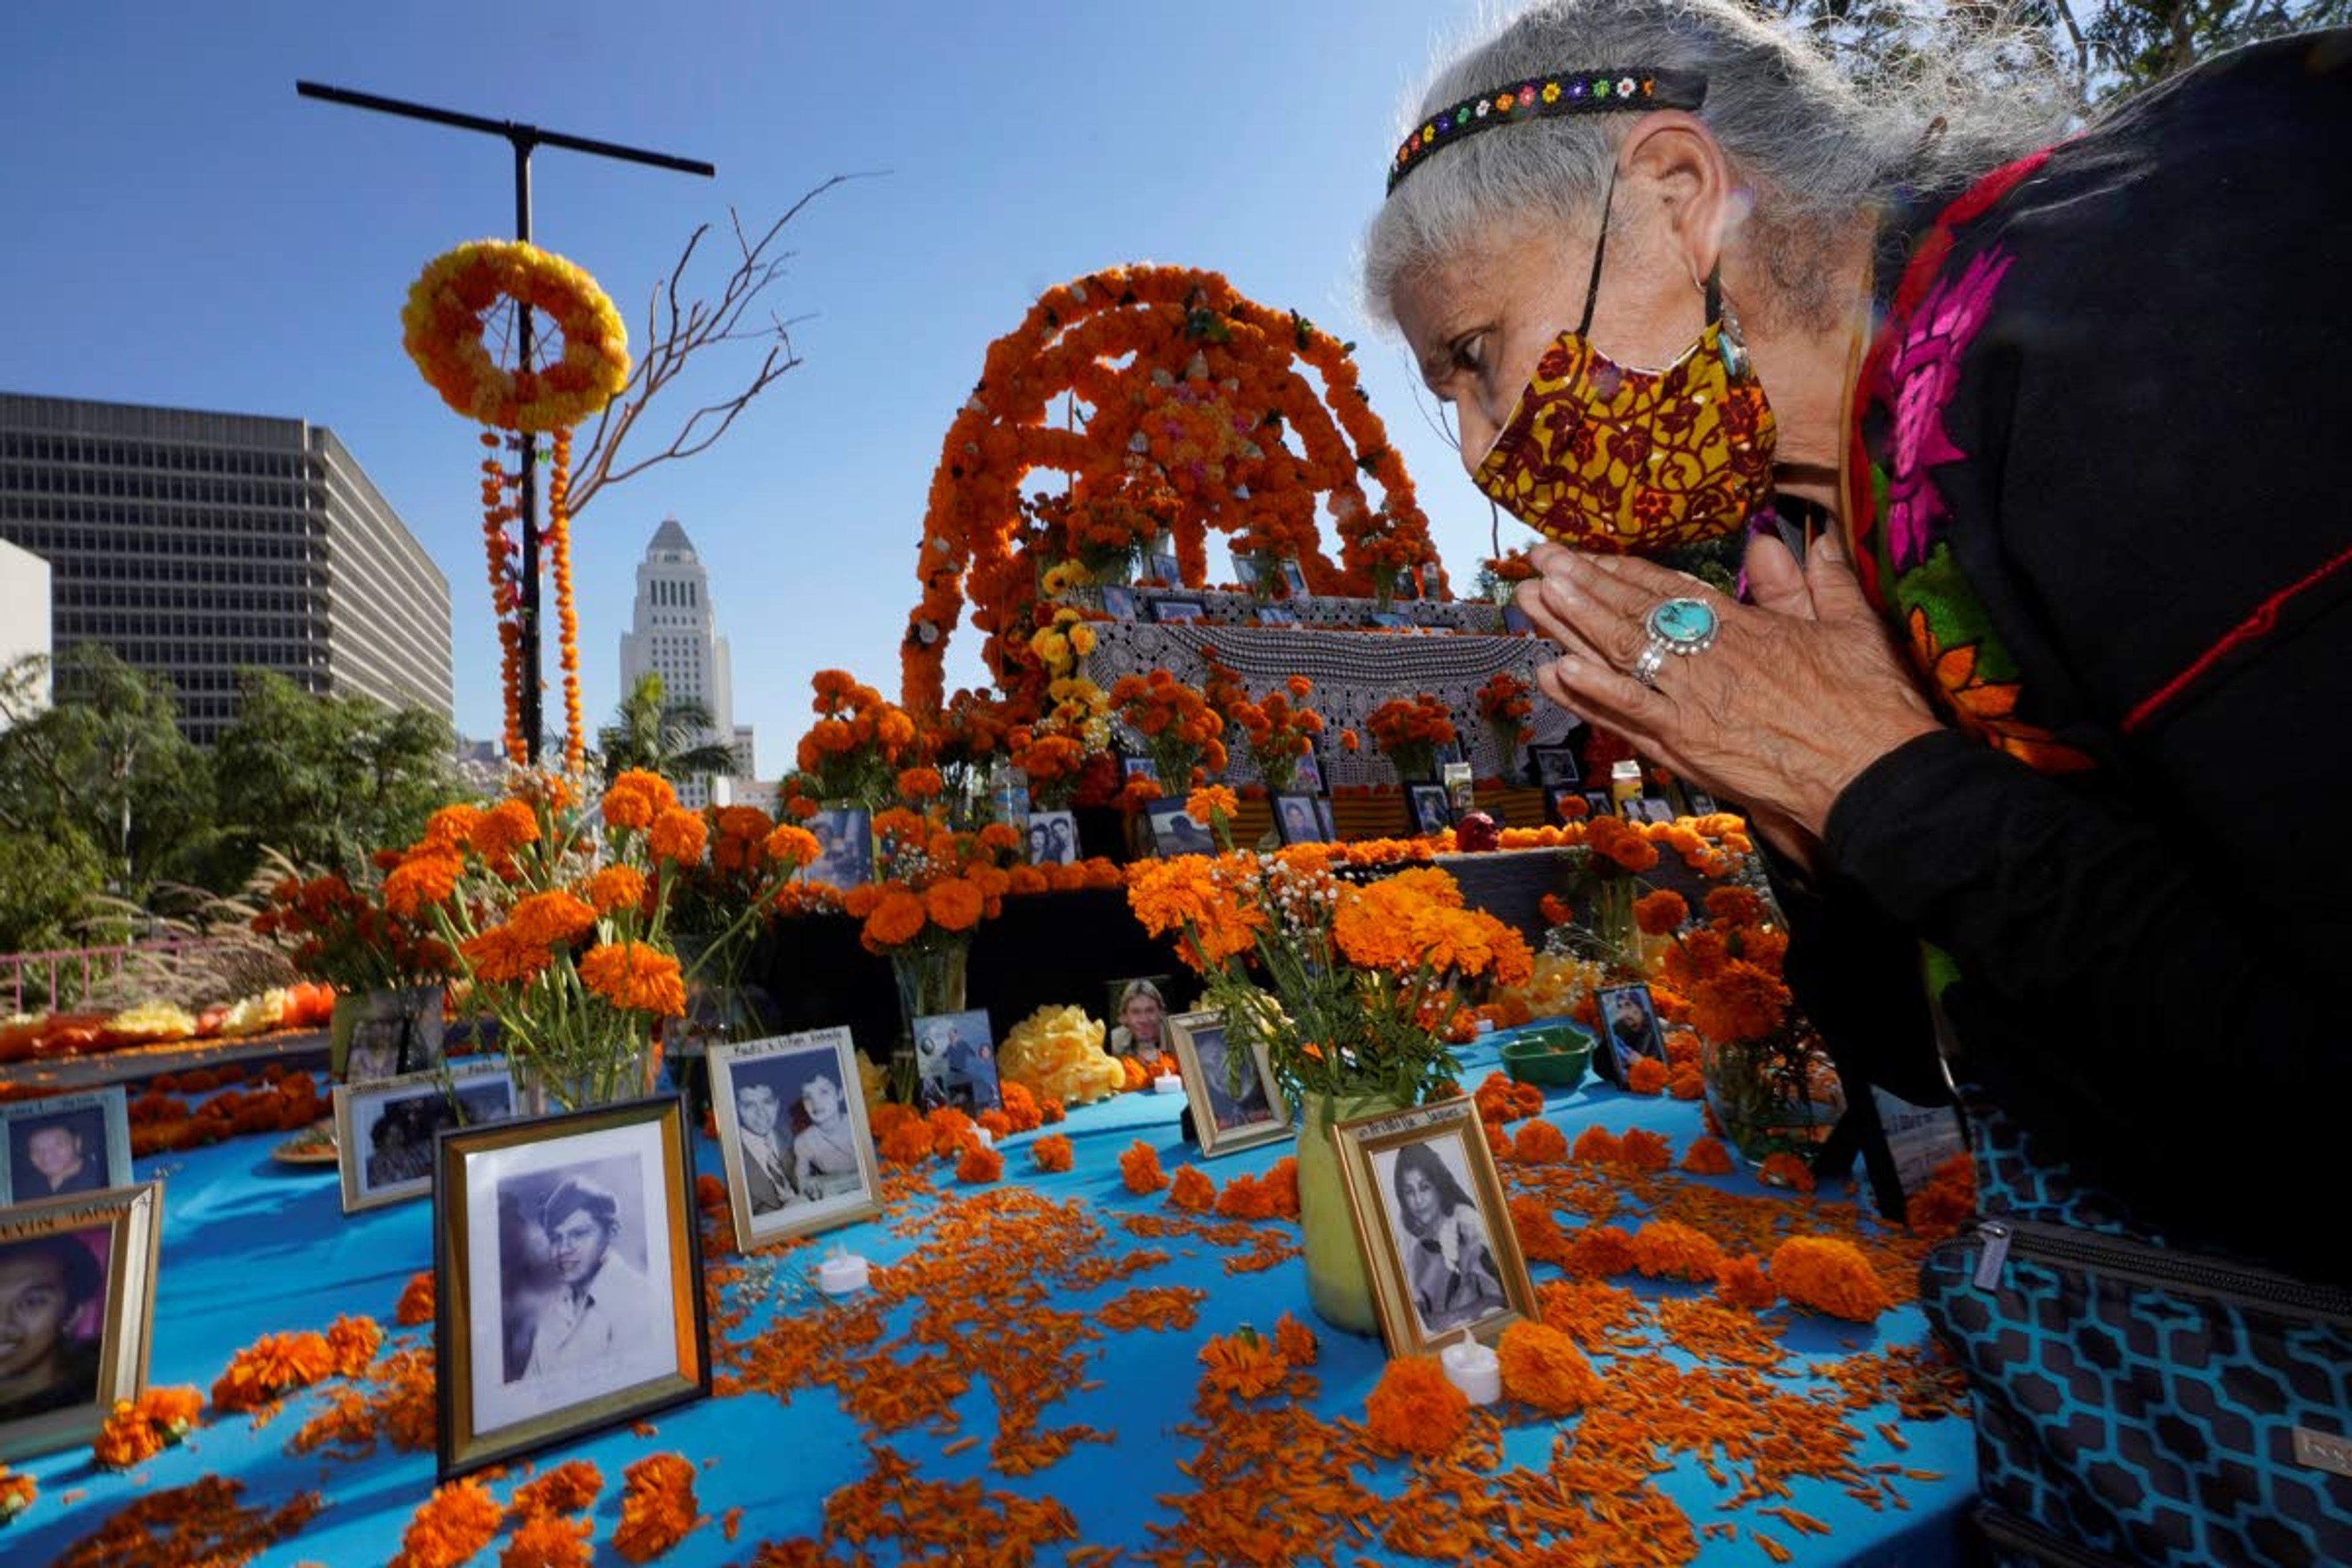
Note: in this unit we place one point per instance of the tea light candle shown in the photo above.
(1168, 1083)
(987, 1139)
(1473, 1369)
(841, 1272)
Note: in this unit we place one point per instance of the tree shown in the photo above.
(325, 781)
(108, 763)
(47, 881)
(672, 739)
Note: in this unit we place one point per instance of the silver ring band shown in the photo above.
(1653, 659)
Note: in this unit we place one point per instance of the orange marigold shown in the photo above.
(1828, 1276)
(1735, 905)
(503, 957)
(545, 920)
(1280, 1186)
(1597, 1146)
(353, 1341)
(636, 976)
(1241, 1365)
(1296, 1341)
(979, 1164)
(548, 1540)
(1939, 1208)
(1645, 1151)
(1668, 1250)
(1708, 1157)
(921, 784)
(954, 904)
(415, 1300)
(1212, 800)
(616, 887)
(898, 917)
(1020, 1107)
(1052, 1152)
(271, 1367)
(1743, 1283)
(792, 845)
(1415, 1410)
(1682, 1049)
(1139, 1167)
(1541, 1366)
(1783, 1168)
(1540, 1233)
(570, 1487)
(505, 829)
(1599, 1251)
(1647, 1075)
(657, 1507)
(905, 1142)
(421, 882)
(679, 835)
(1540, 1143)
(138, 1431)
(1685, 1082)
(1661, 914)
(455, 1522)
(1192, 1191)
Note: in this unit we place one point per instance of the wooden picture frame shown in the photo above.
(596, 1320)
(98, 1251)
(384, 1131)
(1227, 1117)
(1427, 1292)
(64, 1145)
(1296, 818)
(819, 1171)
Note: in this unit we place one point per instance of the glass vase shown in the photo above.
(1778, 1095)
(1338, 1287)
(720, 1010)
(550, 1081)
(930, 973)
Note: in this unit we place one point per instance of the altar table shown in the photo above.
(250, 1246)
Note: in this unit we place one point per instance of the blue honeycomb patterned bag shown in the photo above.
(2134, 1403)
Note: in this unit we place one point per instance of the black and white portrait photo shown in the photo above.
(792, 1129)
(1234, 1103)
(384, 1131)
(1178, 611)
(845, 834)
(1555, 766)
(1299, 822)
(1053, 838)
(65, 1144)
(955, 1062)
(1452, 1279)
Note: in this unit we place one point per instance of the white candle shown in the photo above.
(1168, 1083)
(841, 1272)
(1473, 1369)
(987, 1139)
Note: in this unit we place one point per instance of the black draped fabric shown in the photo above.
(2142, 499)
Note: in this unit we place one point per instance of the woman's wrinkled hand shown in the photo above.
(1800, 691)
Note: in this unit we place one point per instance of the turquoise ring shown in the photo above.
(1676, 626)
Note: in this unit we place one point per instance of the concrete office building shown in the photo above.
(23, 617)
(674, 633)
(196, 545)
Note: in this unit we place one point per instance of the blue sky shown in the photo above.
(180, 228)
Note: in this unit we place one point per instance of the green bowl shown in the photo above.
(1553, 1054)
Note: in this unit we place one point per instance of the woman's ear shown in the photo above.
(1672, 159)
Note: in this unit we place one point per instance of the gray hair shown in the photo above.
(1814, 146)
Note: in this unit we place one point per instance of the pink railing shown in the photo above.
(76, 970)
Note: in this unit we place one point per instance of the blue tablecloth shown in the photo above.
(250, 1246)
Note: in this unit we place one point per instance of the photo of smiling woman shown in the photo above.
(1440, 1237)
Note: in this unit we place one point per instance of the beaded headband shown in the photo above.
(1542, 98)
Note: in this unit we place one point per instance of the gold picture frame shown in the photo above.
(568, 1279)
(405, 1112)
(808, 1196)
(52, 1245)
(1436, 1270)
(1225, 1119)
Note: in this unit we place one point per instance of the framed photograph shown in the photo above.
(385, 1035)
(1138, 1016)
(1701, 803)
(1294, 578)
(1118, 601)
(1633, 809)
(1657, 808)
(1432, 580)
(1235, 1102)
(847, 833)
(384, 1131)
(1437, 1237)
(1323, 815)
(955, 1062)
(1630, 1020)
(1307, 777)
(793, 1135)
(1174, 833)
(1053, 838)
(1139, 768)
(1596, 803)
(1170, 612)
(1245, 573)
(1164, 568)
(1276, 615)
(1461, 790)
(1433, 810)
(567, 1279)
(78, 1304)
(1555, 766)
(1299, 822)
(64, 1145)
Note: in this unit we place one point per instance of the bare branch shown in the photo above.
(679, 325)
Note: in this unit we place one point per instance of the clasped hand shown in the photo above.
(1800, 691)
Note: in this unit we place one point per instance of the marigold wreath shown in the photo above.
(443, 326)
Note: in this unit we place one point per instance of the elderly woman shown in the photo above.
(2042, 555)
(2043, 559)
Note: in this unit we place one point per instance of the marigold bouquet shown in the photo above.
(1277, 729)
(561, 920)
(1505, 705)
(1182, 734)
(933, 885)
(344, 936)
(1408, 729)
(857, 744)
(1359, 981)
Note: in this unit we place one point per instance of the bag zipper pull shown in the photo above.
(1996, 1236)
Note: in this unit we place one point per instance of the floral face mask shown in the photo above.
(1601, 458)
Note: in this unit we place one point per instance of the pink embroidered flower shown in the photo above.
(1924, 375)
